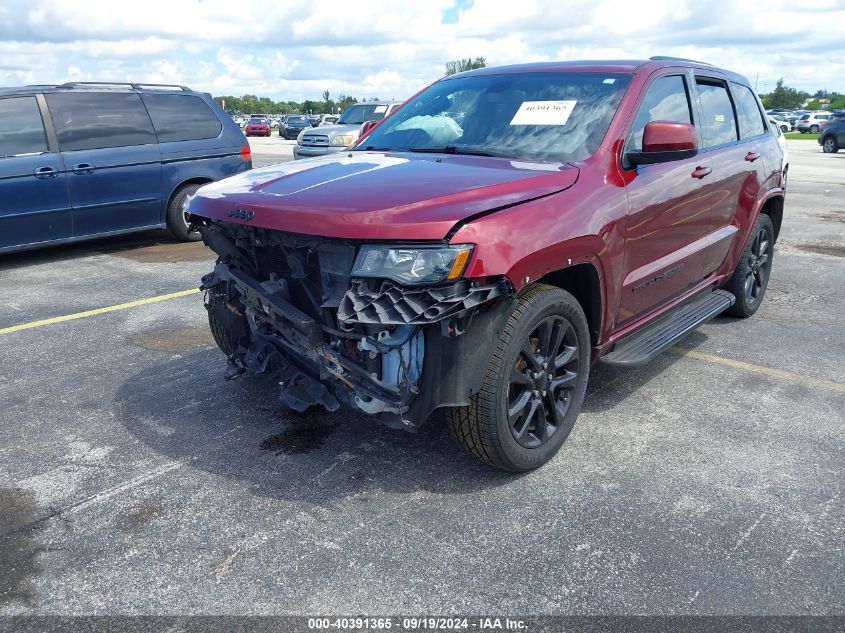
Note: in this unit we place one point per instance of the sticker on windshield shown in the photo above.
(543, 113)
(380, 109)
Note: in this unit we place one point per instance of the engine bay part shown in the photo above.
(286, 307)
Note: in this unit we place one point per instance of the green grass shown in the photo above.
(802, 137)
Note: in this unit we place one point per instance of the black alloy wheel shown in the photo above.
(751, 277)
(534, 384)
(541, 382)
(759, 266)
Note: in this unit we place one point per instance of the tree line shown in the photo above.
(251, 104)
(785, 97)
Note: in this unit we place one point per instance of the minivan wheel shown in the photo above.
(534, 385)
(829, 145)
(751, 277)
(177, 217)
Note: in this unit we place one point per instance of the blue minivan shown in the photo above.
(84, 160)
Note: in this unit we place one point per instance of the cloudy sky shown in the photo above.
(293, 50)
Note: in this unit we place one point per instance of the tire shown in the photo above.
(544, 410)
(177, 223)
(829, 145)
(751, 277)
(784, 129)
(227, 328)
(814, 129)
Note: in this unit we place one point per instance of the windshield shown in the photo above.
(297, 119)
(358, 114)
(538, 116)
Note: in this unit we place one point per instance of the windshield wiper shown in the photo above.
(454, 149)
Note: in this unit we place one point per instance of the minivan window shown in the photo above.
(530, 115)
(719, 123)
(96, 120)
(748, 112)
(665, 100)
(181, 117)
(21, 128)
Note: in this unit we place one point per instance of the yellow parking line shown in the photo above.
(88, 313)
(759, 369)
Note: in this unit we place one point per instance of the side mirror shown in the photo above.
(368, 125)
(665, 141)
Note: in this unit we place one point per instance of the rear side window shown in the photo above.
(665, 100)
(91, 120)
(748, 113)
(718, 122)
(181, 118)
(21, 128)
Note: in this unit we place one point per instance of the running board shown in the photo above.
(642, 346)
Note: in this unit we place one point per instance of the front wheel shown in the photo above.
(751, 276)
(534, 385)
(177, 214)
(829, 145)
(814, 129)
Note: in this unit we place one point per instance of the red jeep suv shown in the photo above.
(506, 228)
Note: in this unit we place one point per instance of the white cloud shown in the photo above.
(298, 48)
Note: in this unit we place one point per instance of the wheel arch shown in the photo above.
(583, 282)
(199, 180)
(773, 207)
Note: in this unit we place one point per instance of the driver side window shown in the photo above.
(665, 100)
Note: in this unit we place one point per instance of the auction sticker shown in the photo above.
(543, 113)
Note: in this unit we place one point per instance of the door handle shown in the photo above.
(45, 172)
(701, 172)
(752, 156)
(83, 168)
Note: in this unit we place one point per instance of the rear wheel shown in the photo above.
(751, 277)
(534, 386)
(814, 129)
(177, 216)
(829, 145)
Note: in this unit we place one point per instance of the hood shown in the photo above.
(377, 195)
(336, 130)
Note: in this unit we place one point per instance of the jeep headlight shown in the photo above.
(412, 265)
(342, 140)
(300, 135)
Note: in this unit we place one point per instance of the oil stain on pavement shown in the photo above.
(298, 440)
(172, 339)
(166, 253)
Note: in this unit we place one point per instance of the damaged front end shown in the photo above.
(291, 307)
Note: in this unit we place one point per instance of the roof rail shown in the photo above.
(667, 58)
(135, 86)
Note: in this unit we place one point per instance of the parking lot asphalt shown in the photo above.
(134, 479)
(270, 150)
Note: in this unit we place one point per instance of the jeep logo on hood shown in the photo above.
(237, 212)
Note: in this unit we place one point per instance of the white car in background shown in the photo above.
(777, 128)
(782, 121)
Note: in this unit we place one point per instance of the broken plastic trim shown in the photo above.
(387, 303)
